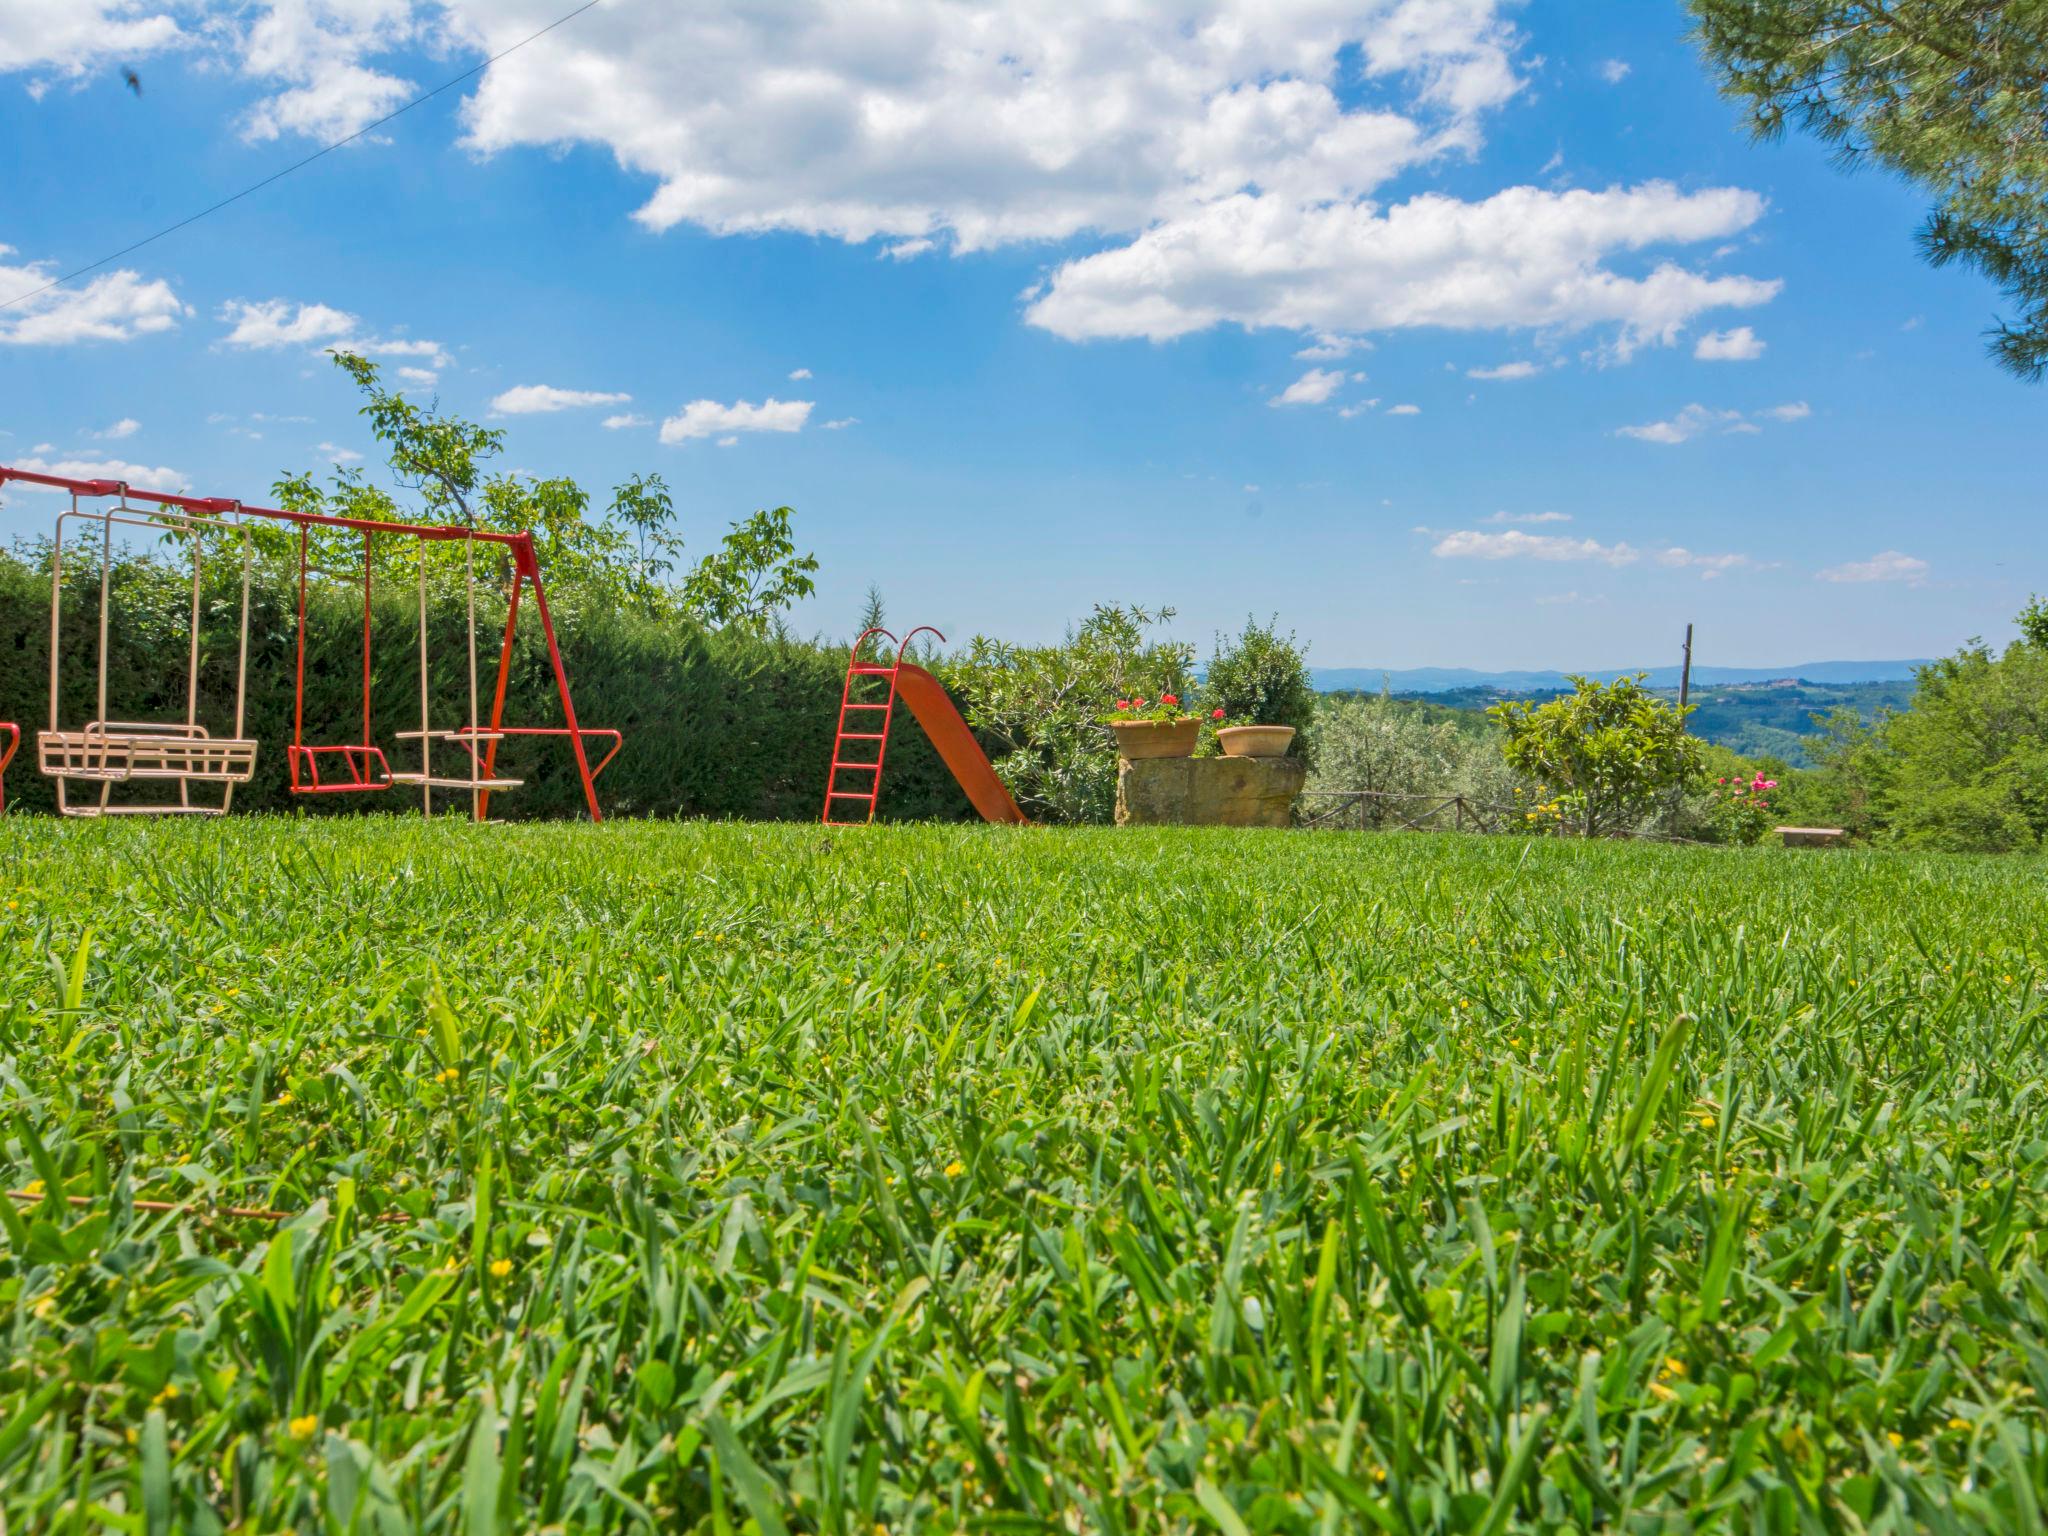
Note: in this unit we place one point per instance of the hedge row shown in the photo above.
(716, 724)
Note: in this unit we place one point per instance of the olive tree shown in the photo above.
(1606, 753)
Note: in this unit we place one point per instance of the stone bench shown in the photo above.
(1208, 791)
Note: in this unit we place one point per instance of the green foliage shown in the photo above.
(2033, 623)
(664, 1178)
(747, 583)
(1948, 93)
(1967, 766)
(754, 575)
(726, 723)
(1398, 747)
(1036, 707)
(644, 505)
(1261, 677)
(1606, 752)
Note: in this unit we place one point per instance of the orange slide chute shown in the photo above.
(955, 744)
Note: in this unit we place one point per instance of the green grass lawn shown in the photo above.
(656, 1177)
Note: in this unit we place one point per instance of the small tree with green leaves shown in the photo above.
(752, 576)
(1606, 753)
(1948, 93)
(1261, 677)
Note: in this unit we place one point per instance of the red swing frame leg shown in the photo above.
(526, 567)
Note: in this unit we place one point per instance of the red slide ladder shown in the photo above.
(865, 788)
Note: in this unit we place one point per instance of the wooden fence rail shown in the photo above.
(1377, 808)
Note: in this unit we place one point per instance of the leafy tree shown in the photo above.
(1261, 677)
(2033, 622)
(644, 505)
(753, 575)
(1405, 748)
(1606, 752)
(1966, 767)
(444, 461)
(1949, 93)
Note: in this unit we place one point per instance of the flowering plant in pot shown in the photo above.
(1161, 727)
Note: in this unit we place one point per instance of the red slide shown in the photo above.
(927, 699)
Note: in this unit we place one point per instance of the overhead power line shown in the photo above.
(299, 165)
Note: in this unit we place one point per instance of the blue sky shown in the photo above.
(1003, 308)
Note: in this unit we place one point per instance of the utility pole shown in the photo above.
(1685, 678)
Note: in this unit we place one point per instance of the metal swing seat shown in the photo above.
(107, 752)
(360, 765)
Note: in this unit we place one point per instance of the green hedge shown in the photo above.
(716, 724)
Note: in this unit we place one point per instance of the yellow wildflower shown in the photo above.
(304, 1425)
(500, 1268)
(955, 1168)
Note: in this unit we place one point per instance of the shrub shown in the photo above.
(1261, 678)
(1606, 752)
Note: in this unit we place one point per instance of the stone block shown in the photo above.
(1813, 837)
(1208, 791)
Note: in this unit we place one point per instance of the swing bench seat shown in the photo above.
(472, 780)
(119, 751)
(450, 781)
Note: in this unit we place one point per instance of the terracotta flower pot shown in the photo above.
(1255, 740)
(1156, 738)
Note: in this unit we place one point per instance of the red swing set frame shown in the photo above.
(358, 757)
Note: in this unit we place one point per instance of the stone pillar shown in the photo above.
(1208, 791)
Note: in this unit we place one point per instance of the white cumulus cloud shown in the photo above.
(627, 419)
(1523, 258)
(1312, 388)
(799, 373)
(1740, 345)
(1528, 517)
(65, 38)
(1404, 410)
(536, 399)
(1219, 161)
(127, 426)
(315, 54)
(1887, 565)
(1471, 544)
(1504, 372)
(115, 306)
(148, 477)
(1614, 71)
(1700, 420)
(1221, 155)
(266, 324)
(708, 418)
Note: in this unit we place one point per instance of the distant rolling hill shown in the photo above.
(1413, 680)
